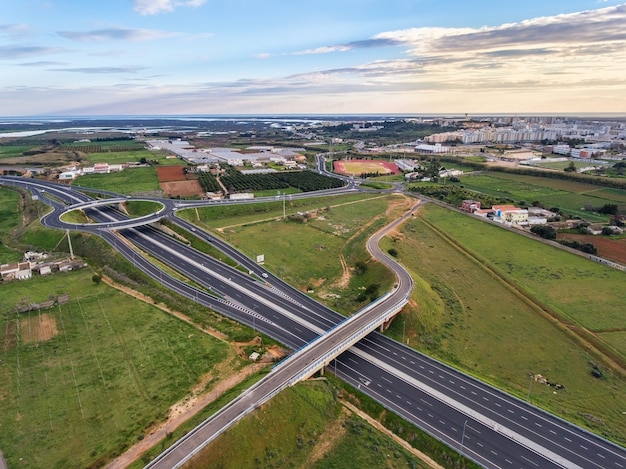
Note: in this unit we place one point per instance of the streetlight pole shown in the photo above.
(529, 386)
(403, 329)
(463, 437)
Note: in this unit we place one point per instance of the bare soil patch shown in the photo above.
(182, 188)
(358, 167)
(329, 439)
(170, 173)
(9, 339)
(612, 249)
(38, 329)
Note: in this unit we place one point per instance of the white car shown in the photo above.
(264, 275)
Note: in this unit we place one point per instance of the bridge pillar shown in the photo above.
(385, 325)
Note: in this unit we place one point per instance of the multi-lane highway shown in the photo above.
(491, 427)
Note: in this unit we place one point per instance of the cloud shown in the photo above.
(23, 51)
(361, 44)
(599, 26)
(41, 63)
(153, 7)
(117, 34)
(100, 70)
(519, 52)
(13, 30)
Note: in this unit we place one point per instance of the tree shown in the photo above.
(97, 278)
(393, 252)
(571, 168)
(545, 231)
(607, 231)
(608, 209)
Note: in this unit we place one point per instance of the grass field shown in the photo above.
(40, 238)
(569, 196)
(304, 426)
(468, 314)
(9, 220)
(141, 208)
(119, 157)
(13, 151)
(308, 255)
(107, 367)
(561, 165)
(129, 181)
(224, 215)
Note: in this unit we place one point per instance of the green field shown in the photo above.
(140, 208)
(13, 151)
(9, 220)
(561, 165)
(113, 367)
(481, 295)
(569, 196)
(304, 426)
(135, 156)
(307, 254)
(228, 215)
(129, 181)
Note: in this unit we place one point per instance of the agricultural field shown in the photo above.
(12, 151)
(82, 380)
(570, 196)
(118, 157)
(612, 247)
(130, 181)
(304, 426)
(173, 182)
(466, 270)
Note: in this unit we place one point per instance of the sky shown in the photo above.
(183, 57)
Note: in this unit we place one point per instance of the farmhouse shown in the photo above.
(470, 206)
(510, 214)
(16, 271)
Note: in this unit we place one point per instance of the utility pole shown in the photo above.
(69, 241)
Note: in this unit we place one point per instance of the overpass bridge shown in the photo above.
(300, 365)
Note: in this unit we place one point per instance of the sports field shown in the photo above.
(358, 167)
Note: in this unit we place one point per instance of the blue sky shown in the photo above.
(112, 57)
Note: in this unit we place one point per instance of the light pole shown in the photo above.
(403, 329)
(529, 386)
(463, 437)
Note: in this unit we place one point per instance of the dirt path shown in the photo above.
(381, 428)
(179, 414)
(140, 296)
(191, 404)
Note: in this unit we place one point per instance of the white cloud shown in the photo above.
(153, 7)
(13, 30)
(117, 34)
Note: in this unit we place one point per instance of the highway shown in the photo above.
(490, 427)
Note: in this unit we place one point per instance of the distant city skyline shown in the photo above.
(169, 57)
